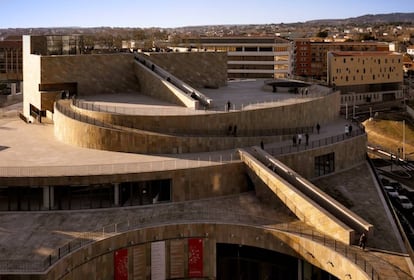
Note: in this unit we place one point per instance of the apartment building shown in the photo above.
(250, 57)
(365, 77)
(311, 56)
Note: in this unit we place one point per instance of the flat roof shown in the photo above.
(364, 53)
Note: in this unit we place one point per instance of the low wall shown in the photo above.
(83, 134)
(302, 114)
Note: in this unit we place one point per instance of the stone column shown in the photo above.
(13, 88)
(116, 194)
(48, 197)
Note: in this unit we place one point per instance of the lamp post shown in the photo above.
(403, 147)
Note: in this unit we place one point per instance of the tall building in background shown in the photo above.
(11, 65)
(311, 56)
(250, 57)
(365, 77)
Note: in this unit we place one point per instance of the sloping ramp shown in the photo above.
(305, 200)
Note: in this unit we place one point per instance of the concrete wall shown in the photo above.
(198, 69)
(95, 74)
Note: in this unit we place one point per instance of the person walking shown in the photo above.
(362, 241)
(299, 138)
(306, 139)
(318, 127)
(235, 131)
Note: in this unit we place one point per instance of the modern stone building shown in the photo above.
(365, 77)
(170, 181)
(311, 56)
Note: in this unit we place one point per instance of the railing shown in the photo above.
(195, 94)
(274, 102)
(122, 168)
(350, 252)
(187, 132)
(295, 148)
(194, 216)
(343, 214)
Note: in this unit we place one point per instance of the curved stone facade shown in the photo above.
(72, 129)
(97, 260)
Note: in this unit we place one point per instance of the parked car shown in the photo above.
(404, 202)
(396, 185)
(391, 191)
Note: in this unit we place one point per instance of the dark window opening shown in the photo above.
(324, 164)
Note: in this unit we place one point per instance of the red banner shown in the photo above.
(121, 264)
(195, 257)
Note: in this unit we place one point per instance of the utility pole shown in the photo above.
(403, 147)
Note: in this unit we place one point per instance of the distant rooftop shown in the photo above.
(364, 53)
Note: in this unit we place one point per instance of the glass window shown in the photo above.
(324, 164)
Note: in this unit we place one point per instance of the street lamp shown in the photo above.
(403, 147)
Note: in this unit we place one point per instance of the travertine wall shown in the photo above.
(302, 206)
(187, 184)
(348, 153)
(86, 135)
(96, 261)
(198, 69)
(321, 110)
(95, 73)
(153, 86)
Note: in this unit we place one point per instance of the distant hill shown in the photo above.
(125, 32)
(368, 19)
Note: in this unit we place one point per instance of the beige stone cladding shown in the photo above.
(356, 68)
(187, 184)
(300, 114)
(96, 261)
(152, 85)
(348, 153)
(94, 74)
(198, 69)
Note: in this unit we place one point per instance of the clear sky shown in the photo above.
(179, 13)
